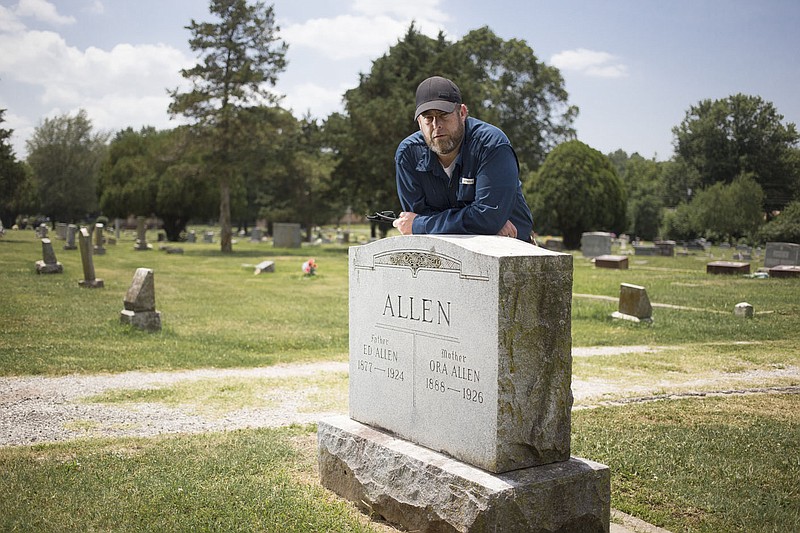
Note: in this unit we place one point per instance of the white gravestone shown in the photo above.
(462, 344)
(460, 400)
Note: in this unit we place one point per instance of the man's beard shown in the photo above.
(446, 144)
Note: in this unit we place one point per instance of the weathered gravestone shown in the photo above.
(265, 266)
(61, 230)
(785, 271)
(89, 281)
(744, 310)
(191, 236)
(642, 249)
(286, 235)
(665, 248)
(72, 229)
(48, 264)
(41, 231)
(99, 240)
(141, 236)
(619, 262)
(727, 267)
(460, 400)
(256, 234)
(781, 253)
(208, 237)
(634, 304)
(140, 302)
(596, 243)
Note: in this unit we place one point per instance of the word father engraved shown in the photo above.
(421, 311)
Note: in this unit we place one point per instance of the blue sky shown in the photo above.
(633, 67)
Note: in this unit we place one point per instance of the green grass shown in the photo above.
(215, 311)
(701, 465)
(713, 464)
(255, 480)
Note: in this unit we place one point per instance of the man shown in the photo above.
(458, 175)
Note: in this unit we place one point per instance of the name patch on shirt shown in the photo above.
(467, 181)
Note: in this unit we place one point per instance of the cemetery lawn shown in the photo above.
(254, 480)
(724, 463)
(704, 465)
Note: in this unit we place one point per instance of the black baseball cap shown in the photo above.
(437, 93)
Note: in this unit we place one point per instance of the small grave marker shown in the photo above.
(634, 304)
(48, 264)
(140, 302)
(619, 262)
(744, 310)
(727, 267)
(89, 281)
(72, 229)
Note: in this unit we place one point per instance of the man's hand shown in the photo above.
(508, 230)
(404, 221)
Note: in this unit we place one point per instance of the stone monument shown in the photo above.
(594, 243)
(634, 305)
(140, 302)
(72, 229)
(460, 399)
(48, 264)
(89, 281)
(99, 240)
(141, 236)
(286, 235)
(781, 253)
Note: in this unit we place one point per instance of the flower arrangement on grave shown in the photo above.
(310, 267)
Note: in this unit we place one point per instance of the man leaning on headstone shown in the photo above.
(472, 184)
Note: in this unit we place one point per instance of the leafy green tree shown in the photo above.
(241, 58)
(502, 82)
(720, 212)
(12, 177)
(156, 172)
(576, 190)
(785, 227)
(65, 155)
(642, 179)
(286, 169)
(741, 134)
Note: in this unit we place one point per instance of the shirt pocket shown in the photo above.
(466, 190)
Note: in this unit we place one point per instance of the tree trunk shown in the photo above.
(225, 235)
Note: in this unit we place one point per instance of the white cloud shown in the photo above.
(96, 7)
(590, 62)
(43, 11)
(320, 101)
(9, 21)
(375, 26)
(407, 10)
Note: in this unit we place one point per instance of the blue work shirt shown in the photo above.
(482, 194)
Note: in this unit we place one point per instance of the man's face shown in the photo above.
(443, 132)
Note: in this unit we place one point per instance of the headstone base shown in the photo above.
(70, 247)
(91, 283)
(631, 318)
(146, 320)
(426, 491)
(49, 268)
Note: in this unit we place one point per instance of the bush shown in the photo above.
(785, 227)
